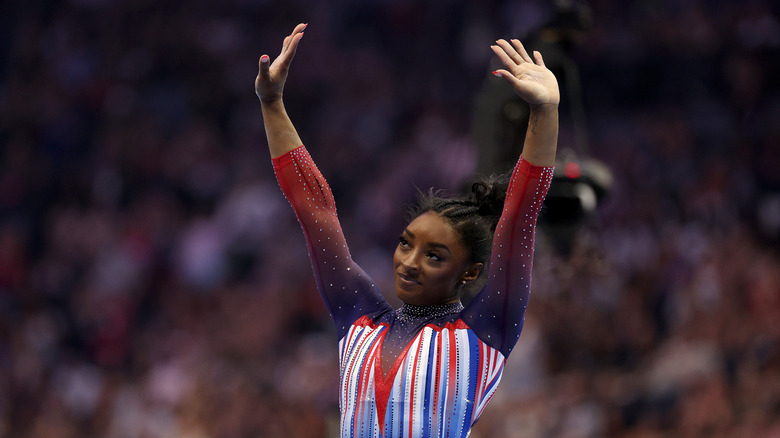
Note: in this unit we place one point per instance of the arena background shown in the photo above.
(154, 282)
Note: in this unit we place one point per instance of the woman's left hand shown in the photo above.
(269, 83)
(530, 79)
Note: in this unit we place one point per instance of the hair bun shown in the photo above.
(473, 216)
(489, 194)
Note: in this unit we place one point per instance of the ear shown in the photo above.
(472, 272)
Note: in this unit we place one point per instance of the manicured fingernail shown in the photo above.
(304, 27)
(497, 74)
(264, 59)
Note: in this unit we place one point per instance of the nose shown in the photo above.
(410, 261)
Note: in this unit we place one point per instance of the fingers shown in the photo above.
(272, 76)
(521, 50)
(503, 56)
(538, 58)
(515, 51)
(264, 62)
(510, 52)
(290, 45)
(298, 30)
(509, 77)
(287, 54)
(515, 54)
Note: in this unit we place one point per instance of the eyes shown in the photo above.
(432, 254)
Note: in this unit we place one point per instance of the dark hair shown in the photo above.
(474, 216)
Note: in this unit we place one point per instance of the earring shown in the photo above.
(463, 282)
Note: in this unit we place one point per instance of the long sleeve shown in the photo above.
(497, 313)
(347, 290)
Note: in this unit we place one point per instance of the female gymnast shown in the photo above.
(428, 368)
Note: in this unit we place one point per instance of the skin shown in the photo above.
(269, 87)
(431, 263)
(420, 280)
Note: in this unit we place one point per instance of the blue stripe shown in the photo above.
(397, 410)
(474, 375)
(404, 395)
(348, 348)
(493, 382)
(426, 420)
(460, 403)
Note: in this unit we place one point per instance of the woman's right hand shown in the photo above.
(270, 80)
(529, 77)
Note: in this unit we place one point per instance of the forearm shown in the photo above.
(541, 138)
(281, 134)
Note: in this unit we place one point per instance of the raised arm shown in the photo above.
(496, 314)
(348, 292)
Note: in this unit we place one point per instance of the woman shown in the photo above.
(428, 368)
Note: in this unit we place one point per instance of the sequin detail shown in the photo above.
(410, 313)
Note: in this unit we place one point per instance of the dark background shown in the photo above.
(154, 282)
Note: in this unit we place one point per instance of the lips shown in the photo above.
(407, 281)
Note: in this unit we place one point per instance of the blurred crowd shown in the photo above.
(154, 282)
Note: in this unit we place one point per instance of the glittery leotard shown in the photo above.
(449, 359)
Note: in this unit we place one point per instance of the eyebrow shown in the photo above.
(440, 245)
(433, 244)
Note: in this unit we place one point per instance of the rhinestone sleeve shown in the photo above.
(347, 290)
(497, 313)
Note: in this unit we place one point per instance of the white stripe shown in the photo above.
(444, 392)
(421, 376)
(464, 353)
(410, 375)
(434, 359)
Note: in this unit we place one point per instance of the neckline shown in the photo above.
(410, 312)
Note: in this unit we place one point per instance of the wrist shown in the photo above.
(545, 108)
(269, 102)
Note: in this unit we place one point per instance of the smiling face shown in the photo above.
(431, 262)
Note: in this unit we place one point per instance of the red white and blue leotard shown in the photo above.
(448, 361)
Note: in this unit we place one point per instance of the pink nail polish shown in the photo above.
(497, 74)
(264, 58)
